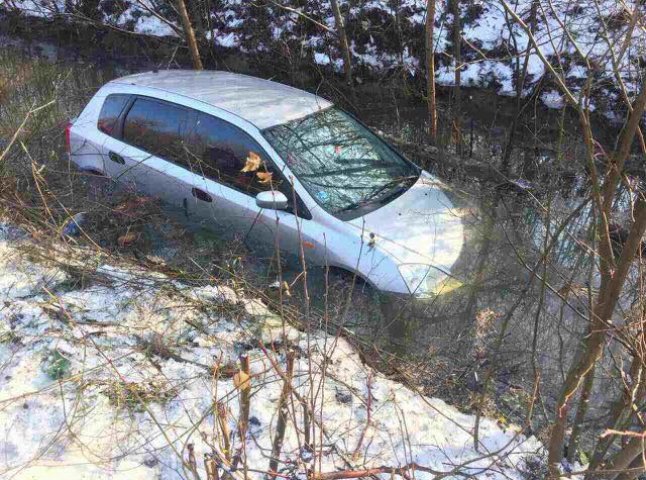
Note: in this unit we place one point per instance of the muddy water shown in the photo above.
(512, 198)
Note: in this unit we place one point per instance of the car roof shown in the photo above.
(261, 102)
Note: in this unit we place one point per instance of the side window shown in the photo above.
(110, 112)
(225, 153)
(156, 127)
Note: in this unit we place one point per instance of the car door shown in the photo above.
(220, 152)
(149, 150)
(234, 169)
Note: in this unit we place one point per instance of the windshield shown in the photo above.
(346, 168)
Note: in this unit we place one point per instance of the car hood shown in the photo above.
(421, 226)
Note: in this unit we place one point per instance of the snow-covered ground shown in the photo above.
(387, 34)
(112, 373)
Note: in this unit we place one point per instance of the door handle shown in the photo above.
(201, 195)
(116, 158)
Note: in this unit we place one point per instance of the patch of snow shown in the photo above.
(321, 58)
(40, 8)
(535, 66)
(92, 420)
(553, 99)
(151, 25)
(410, 62)
(504, 74)
(144, 21)
(487, 30)
(578, 71)
(445, 75)
(230, 40)
(20, 279)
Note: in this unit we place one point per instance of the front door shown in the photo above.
(233, 170)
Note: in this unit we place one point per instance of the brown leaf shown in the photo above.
(253, 163)
(128, 239)
(134, 206)
(286, 290)
(242, 381)
(264, 177)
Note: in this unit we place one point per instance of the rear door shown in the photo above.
(86, 140)
(150, 149)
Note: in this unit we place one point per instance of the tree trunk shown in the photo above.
(400, 40)
(620, 415)
(612, 278)
(623, 460)
(625, 144)
(189, 35)
(611, 286)
(580, 415)
(520, 85)
(635, 469)
(457, 58)
(197, 13)
(343, 41)
(612, 274)
(430, 69)
(281, 424)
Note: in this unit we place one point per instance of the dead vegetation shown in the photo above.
(581, 335)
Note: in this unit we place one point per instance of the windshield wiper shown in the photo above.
(367, 200)
(404, 185)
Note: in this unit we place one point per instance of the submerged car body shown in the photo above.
(276, 164)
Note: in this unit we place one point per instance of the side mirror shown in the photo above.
(272, 200)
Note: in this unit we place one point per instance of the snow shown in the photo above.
(151, 25)
(321, 58)
(38, 8)
(445, 75)
(495, 44)
(577, 71)
(139, 14)
(553, 99)
(229, 40)
(84, 424)
(487, 30)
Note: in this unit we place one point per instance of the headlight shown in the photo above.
(426, 280)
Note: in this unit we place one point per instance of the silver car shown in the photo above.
(273, 163)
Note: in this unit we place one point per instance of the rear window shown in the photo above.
(110, 112)
(157, 128)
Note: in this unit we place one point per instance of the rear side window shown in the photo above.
(157, 128)
(110, 112)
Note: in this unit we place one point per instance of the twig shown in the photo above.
(224, 429)
(404, 471)
(281, 424)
